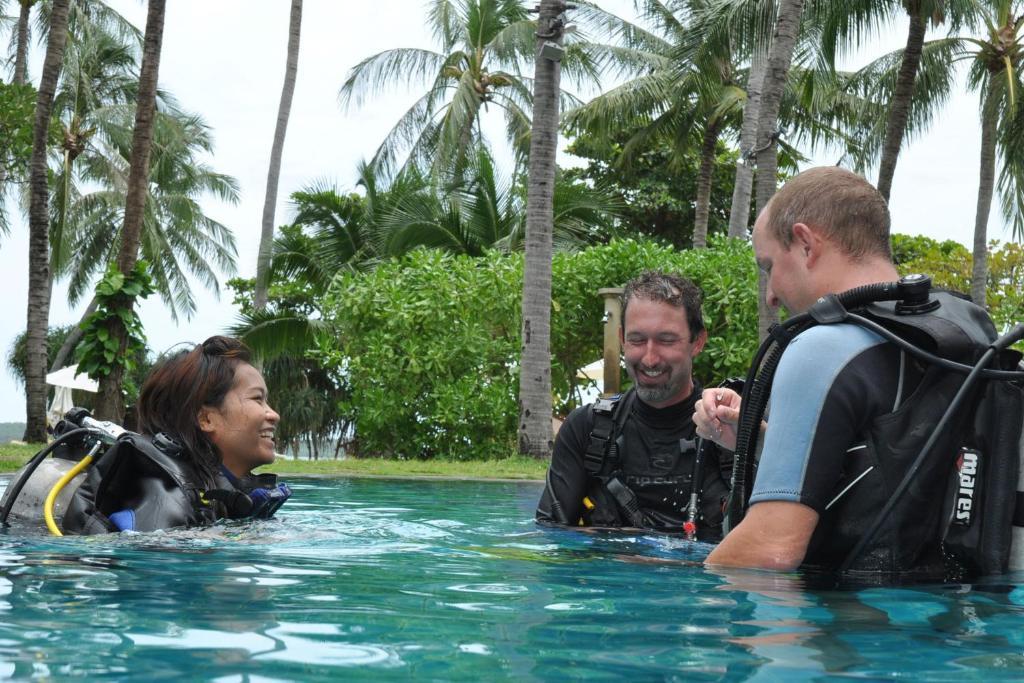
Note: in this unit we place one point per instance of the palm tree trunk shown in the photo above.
(21, 55)
(38, 314)
(902, 97)
(780, 55)
(743, 188)
(110, 402)
(71, 341)
(986, 186)
(704, 178)
(535, 435)
(274, 173)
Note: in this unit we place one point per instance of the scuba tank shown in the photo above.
(78, 438)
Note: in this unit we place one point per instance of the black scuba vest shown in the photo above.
(955, 517)
(156, 486)
(653, 495)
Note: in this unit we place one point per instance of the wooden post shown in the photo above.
(612, 348)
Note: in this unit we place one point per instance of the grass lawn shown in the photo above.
(13, 456)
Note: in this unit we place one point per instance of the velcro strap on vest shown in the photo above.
(600, 435)
(593, 459)
(1018, 512)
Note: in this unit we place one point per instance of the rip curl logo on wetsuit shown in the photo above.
(967, 465)
(641, 480)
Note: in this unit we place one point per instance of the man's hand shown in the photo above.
(717, 416)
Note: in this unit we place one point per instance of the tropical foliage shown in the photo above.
(483, 45)
(55, 338)
(656, 189)
(429, 345)
(100, 352)
(17, 105)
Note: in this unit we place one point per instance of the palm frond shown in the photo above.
(384, 70)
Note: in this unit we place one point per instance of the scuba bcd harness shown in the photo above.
(961, 341)
(137, 483)
(601, 459)
(603, 464)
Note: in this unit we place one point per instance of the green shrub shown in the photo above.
(429, 345)
(948, 263)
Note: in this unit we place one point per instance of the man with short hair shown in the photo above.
(629, 462)
(849, 410)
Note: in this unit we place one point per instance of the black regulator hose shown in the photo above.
(748, 428)
(14, 490)
(759, 378)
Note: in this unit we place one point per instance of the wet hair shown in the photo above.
(181, 385)
(674, 290)
(839, 204)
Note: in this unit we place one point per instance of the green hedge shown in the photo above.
(429, 345)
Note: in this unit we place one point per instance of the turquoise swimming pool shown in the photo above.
(372, 579)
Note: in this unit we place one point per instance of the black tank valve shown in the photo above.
(914, 293)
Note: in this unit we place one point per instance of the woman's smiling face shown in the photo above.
(242, 427)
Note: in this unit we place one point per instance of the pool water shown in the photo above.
(374, 579)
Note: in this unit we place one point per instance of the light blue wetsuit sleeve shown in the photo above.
(806, 374)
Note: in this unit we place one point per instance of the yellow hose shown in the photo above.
(51, 497)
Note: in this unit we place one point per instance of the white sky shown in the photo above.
(225, 60)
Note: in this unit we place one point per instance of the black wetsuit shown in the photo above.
(851, 411)
(651, 463)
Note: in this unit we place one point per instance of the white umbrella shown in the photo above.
(72, 379)
(59, 406)
(592, 371)
(65, 380)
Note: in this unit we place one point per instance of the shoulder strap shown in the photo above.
(609, 416)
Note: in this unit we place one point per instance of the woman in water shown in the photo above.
(205, 425)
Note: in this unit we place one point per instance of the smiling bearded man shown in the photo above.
(629, 461)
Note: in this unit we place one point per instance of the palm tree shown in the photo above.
(996, 61)
(86, 20)
(742, 28)
(21, 51)
(780, 55)
(177, 237)
(95, 105)
(767, 81)
(274, 172)
(96, 83)
(844, 22)
(110, 402)
(483, 45)
(39, 238)
(779, 58)
(535, 435)
(687, 100)
(995, 73)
